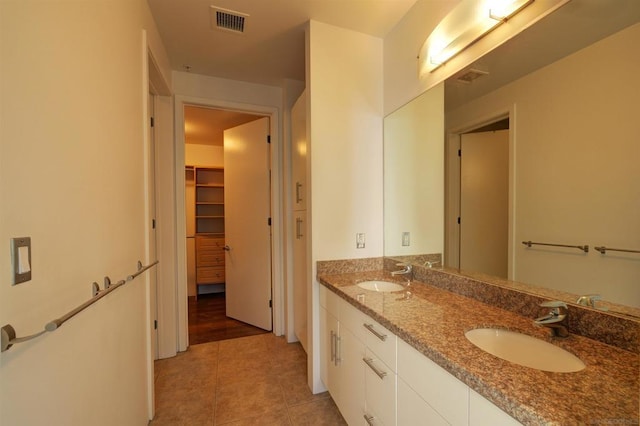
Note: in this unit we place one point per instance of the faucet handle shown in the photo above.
(553, 304)
(556, 307)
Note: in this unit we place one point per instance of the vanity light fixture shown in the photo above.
(467, 23)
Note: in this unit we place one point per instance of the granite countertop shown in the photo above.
(434, 322)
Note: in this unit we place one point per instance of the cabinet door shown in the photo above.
(300, 283)
(328, 342)
(299, 154)
(350, 396)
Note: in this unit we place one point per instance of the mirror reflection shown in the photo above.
(541, 144)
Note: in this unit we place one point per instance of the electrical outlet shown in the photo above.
(360, 240)
(406, 239)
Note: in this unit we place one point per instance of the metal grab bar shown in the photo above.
(8, 333)
(603, 250)
(584, 248)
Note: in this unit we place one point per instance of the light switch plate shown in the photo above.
(21, 259)
(406, 239)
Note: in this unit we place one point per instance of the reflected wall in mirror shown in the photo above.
(568, 86)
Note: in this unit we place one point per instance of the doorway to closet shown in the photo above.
(227, 205)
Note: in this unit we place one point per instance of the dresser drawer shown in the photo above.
(210, 258)
(203, 242)
(210, 275)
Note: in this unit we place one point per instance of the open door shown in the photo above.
(247, 223)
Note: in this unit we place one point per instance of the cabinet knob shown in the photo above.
(226, 248)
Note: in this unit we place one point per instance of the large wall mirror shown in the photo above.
(548, 131)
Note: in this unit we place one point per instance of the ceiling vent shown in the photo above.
(471, 74)
(227, 20)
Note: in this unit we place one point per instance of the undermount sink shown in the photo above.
(381, 286)
(525, 350)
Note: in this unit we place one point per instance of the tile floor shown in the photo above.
(256, 380)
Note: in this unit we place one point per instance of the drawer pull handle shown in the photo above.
(333, 346)
(380, 336)
(298, 196)
(380, 373)
(299, 222)
(369, 419)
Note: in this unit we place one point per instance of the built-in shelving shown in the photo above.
(209, 201)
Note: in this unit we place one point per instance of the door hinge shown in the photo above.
(152, 122)
(269, 221)
(153, 224)
(268, 138)
(155, 324)
(459, 153)
(270, 303)
(458, 220)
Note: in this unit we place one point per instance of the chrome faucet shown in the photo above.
(555, 319)
(430, 264)
(407, 269)
(590, 300)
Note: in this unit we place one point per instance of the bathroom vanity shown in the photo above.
(398, 358)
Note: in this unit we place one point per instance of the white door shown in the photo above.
(484, 195)
(247, 230)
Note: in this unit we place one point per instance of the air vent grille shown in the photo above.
(228, 20)
(471, 74)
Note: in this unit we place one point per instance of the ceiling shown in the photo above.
(270, 49)
(205, 126)
(272, 46)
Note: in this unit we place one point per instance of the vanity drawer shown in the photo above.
(448, 396)
(380, 390)
(376, 337)
(381, 341)
(330, 301)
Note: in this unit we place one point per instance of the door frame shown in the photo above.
(277, 227)
(452, 185)
(154, 86)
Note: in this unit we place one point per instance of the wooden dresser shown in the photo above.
(209, 259)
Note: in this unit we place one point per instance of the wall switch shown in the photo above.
(360, 240)
(406, 239)
(21, 259)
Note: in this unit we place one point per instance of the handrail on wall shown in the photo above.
(9, 334)
(603, 250)
(530, 243)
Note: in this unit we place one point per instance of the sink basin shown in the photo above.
(381, 286)
(525, 350)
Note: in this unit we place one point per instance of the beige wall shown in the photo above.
(402, 45)
(576, 167)
(72, 178)
(414, 176)
(345, 126)
(203, 155)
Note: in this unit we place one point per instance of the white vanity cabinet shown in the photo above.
(483, 413)
(342, 369)
(430, 395)
(378, 379)
(442, 393)
(358, 358)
